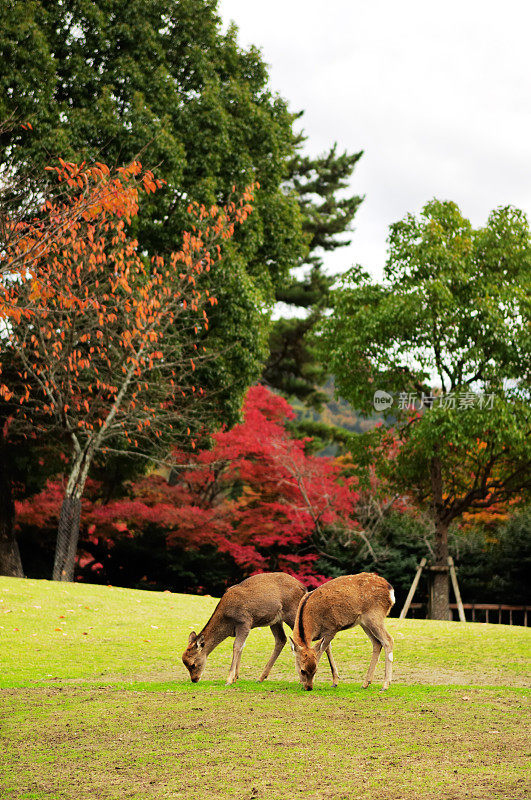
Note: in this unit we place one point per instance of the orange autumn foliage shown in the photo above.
(90, 192)
(90, 316)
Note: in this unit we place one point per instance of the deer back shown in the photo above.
(341, 603)
(263, 599)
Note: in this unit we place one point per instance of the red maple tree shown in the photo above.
(256, 495)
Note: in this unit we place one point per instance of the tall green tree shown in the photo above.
(109, 79)
(453, 312)
(321, 185)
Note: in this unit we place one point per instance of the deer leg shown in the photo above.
(277, 629)
(376, 650)
(324, 647)
(335, 674)
(388, 643)
(242, 632)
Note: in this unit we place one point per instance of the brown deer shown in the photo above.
(270, 598)
(363, 599)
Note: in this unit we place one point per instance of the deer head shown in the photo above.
(306, 660)
(194, 657)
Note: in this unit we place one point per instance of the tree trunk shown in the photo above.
(70, 517)
(439, 607)
(68, 531)
(67, 539)
(440, 584)
(10, 563)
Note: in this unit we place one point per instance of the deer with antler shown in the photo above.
(364, 599)
(270, 598)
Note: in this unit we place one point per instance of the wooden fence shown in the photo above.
(520, 612)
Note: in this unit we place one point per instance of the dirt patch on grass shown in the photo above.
(226, 743)
(440, 676)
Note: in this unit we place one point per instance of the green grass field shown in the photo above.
(95, 703)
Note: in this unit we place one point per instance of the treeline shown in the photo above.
(156, 202)
(258, 500)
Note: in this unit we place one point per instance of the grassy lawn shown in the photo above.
(95, 703)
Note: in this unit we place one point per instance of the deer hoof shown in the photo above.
(366, 684)
(385, 687)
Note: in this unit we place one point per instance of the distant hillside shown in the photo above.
(336, 413)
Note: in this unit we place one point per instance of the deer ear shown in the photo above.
(320, 646)
(200, 643)
(294, 647)
(192, 637)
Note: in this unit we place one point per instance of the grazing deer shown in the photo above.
(270, 598)
(363, 599)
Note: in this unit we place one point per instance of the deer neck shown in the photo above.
(215, 631)
(304, 628)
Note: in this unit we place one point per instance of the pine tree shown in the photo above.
(319, 184)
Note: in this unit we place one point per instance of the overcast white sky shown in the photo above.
(436, 94)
